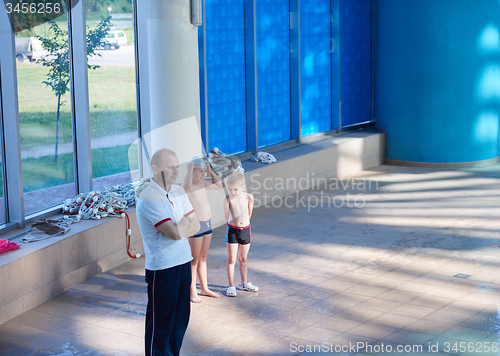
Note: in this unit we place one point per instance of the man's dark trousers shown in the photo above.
(167, 313)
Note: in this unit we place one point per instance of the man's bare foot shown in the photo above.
(195, 298)
(209, 293)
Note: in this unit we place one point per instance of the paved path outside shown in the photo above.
(123, 56)
(126, 138)
(382, 275)
(52, 196)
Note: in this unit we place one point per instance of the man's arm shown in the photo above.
(188, 226)
(217, 182)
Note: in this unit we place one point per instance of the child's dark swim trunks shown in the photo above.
(238, 235)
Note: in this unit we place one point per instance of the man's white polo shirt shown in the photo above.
(154, 207)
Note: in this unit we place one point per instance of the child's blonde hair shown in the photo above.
(235, 178)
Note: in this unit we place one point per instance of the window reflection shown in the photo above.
(45, 117)
(112, 97)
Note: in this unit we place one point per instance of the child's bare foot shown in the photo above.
(209, 293)
(195, 298)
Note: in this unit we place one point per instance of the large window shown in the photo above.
(316, 71)
(112, 96)
(226, 75)
(273, 71)
(356, 61)
(49, 144)
(45, 118)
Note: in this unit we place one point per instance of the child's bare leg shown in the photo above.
(202, 267)
(232, 252)
(242, 259)
(195, 243)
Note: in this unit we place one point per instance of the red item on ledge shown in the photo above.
(6, 245)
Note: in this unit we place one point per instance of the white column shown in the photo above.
(173, 66)
(80, 97)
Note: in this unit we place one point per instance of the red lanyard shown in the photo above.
(170, 200)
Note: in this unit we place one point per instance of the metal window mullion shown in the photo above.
(373, 58)
(251, 76)
(335, 62)
(205, 76)
(340, 65)
(10, 120)
(3, 159)
(138, 80)
(295, 75)
(144, 124)
(80, 96)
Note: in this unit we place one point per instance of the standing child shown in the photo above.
(238, 206)
(195, 185)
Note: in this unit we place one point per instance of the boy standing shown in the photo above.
(195, 185)
(238, 206)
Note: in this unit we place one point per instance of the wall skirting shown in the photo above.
(441, 165)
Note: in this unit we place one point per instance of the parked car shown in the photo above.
(115, 39)
(29, 48)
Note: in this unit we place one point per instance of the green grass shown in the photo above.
(112, 105)
(43, 172)
(40, 173)
(130, 35)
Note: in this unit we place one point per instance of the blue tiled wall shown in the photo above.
(316, 86)
(273, 71)
(437, 81)
(355, 61)
(227, 70)
(225, 56)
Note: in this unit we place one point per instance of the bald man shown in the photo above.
(166, 218)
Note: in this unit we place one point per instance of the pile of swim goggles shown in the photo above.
(222, 164)
(111, 201)
(96, 205)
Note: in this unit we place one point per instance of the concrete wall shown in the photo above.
(438, 79)
(40, 270)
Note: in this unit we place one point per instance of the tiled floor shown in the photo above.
(379, 269)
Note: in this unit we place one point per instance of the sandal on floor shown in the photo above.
(231, 292)
(248, 287)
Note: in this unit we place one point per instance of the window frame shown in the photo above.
(10, 145)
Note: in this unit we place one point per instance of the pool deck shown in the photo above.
(395, 260)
